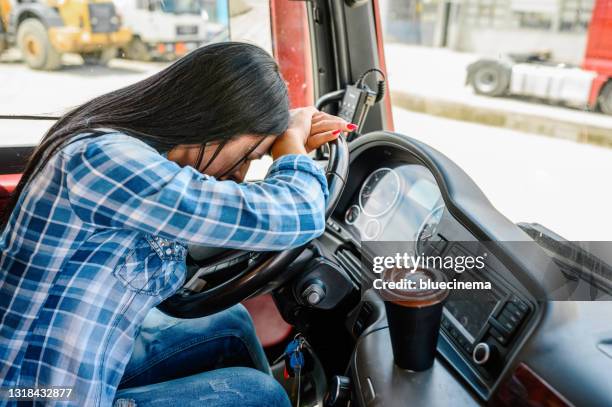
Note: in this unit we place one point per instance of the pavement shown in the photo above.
(27, 91)
(432, 81)
(560, 184)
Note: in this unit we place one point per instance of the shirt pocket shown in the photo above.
(153, 266)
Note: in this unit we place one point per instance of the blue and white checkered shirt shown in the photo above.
(99, 237)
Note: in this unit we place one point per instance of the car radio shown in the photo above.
(483, 330)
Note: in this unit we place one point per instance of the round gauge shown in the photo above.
(379, 192)
(428, 228)
(371, 229)
(352, 214)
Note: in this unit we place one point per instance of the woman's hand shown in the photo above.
(308, 130)
(293, 141)
(325, 128)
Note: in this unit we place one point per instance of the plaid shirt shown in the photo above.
(99, 237)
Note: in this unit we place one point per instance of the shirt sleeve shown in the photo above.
(116, 183)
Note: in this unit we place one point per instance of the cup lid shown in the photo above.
(414, 288)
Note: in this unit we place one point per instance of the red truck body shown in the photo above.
(598, 55)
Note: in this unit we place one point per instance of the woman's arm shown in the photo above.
(116, 181)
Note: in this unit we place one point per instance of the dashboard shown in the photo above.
(392, 197)
(509, 345)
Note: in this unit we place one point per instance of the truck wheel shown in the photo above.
(36, 49)
(137, 50)
(489, 77)
(101, 57)
(605, 98)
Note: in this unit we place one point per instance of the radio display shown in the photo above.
(471, 315)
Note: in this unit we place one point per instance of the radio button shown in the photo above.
(509, 315)
(495, 324)
(481, 353)
(498, 336)
(468, 348)
(461, 340)
(507, 323)
(521, 305)
(511, 308)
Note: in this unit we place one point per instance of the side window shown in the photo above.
(513, 91)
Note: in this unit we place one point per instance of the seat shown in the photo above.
(269, 324)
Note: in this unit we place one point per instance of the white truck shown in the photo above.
(165, 29)
(588, 86)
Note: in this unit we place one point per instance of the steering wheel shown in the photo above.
(196, 298)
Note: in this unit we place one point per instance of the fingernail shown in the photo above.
(335, 132)
(351, 126)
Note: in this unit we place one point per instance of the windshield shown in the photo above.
(518, 93)
(48, 75)
(181, 6)
(113, 44)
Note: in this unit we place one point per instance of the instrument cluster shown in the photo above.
(399, 203)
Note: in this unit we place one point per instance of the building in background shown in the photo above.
(492, 27)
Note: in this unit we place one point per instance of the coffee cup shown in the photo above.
(414, 313)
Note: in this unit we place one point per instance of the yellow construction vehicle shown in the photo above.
(45, 29)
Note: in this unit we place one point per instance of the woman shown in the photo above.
(96, 234)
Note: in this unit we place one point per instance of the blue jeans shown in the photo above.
(211, 361)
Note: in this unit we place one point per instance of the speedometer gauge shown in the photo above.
(379, 192)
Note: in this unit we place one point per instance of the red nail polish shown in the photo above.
(351, 127)
(335, 132)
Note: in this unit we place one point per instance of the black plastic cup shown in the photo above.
(414, 319)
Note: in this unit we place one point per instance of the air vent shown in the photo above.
(350, 262)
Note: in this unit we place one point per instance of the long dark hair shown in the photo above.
(213, 94)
